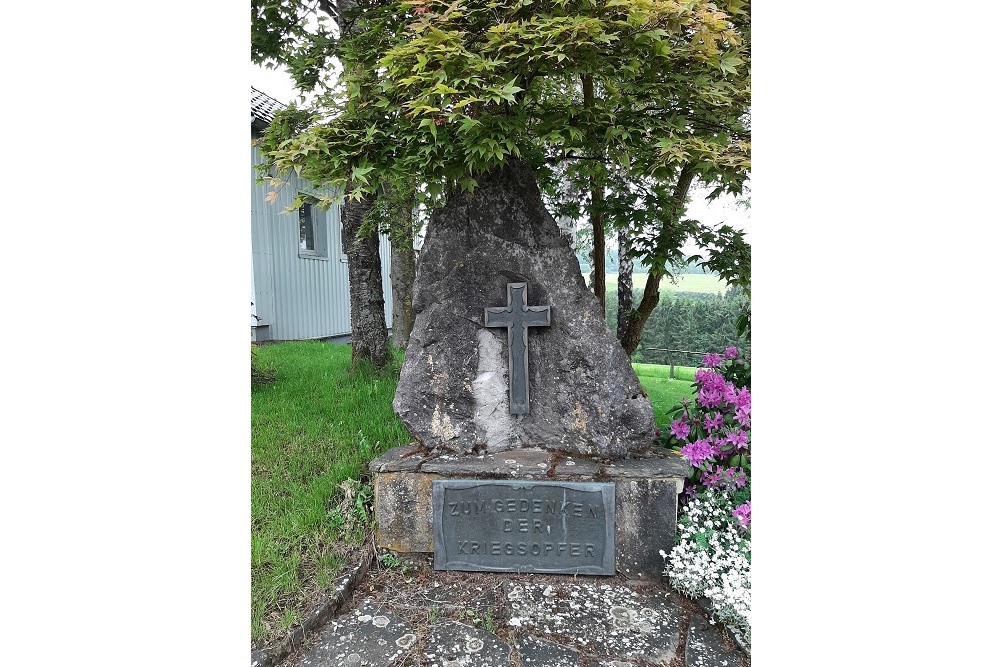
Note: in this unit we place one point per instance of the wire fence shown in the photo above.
(666, 357)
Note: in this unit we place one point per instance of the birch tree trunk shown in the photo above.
(625, 267)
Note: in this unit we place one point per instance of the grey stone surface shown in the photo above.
(403, 512)
(519, 463)
(606, 620)
(573, 466)
(397, 459)
(666, 464)
(453, 393)
(452, 644)
(536, 652)
(645, 523)
(522, 526)
(705, 647)
(368, 636)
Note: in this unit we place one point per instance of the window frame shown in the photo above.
(318, 222)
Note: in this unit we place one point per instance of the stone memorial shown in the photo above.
(516, 392)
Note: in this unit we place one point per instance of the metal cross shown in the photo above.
(517, 316)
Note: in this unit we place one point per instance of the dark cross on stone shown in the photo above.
(517, 316)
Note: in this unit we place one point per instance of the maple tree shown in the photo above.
(627, 101)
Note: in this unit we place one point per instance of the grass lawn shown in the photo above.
(314, 428)
(664, 393)
(314, 431)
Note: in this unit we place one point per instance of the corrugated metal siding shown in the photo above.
(260, 235)
(385, 250)
(309, 296)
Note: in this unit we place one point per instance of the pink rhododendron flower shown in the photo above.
(742, 398)
(709, 398)
(679, 429)
(698, 451)
(729, 393)
(732, 352)
(743, 416)
(742, 512)
(710, 477)
(713, 421)
(712, 360)
(726, 478)
(738, 439)
(704, 376)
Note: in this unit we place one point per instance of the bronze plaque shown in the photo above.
(524, 526)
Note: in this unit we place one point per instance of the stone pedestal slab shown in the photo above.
(645, 496)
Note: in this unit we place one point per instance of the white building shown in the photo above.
(298, 279)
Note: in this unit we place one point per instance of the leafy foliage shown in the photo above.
(618, 105)
(449, 90)
(688, 321)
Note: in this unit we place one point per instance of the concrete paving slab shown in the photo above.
(604, 620)
(537, 652)
(366, 637)
(452, 644)
(450, 598)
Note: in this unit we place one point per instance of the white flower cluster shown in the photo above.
(712, 560)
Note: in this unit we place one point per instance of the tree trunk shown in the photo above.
(403, 270)
(625, 267)
(596, 213)
(651, 294)
(369, 338)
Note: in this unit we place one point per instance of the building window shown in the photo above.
(312, 228)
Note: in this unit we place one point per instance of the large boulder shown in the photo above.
(453, 388)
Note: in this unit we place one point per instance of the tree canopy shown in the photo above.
(641, 97)
(449, 90)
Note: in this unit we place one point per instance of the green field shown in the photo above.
(701, 283)
(663, 392)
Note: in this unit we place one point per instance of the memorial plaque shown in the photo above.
(524, 526)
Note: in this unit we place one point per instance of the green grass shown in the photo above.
(317, 426)
(663, 392)
(701, 283)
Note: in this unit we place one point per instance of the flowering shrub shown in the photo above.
(713, 431)
(711, 558)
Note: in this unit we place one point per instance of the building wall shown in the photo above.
(297, 297)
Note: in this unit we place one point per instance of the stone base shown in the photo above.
(645, 496)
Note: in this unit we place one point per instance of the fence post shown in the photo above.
(670, 356)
